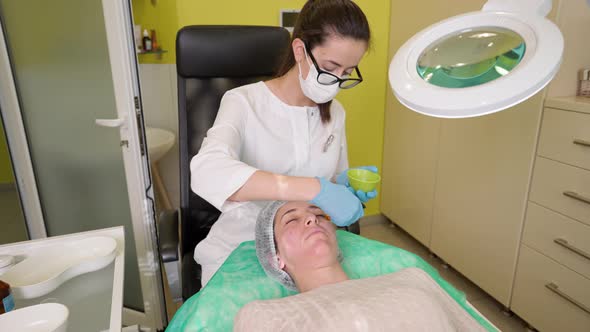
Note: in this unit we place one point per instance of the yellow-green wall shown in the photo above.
(364, 104)
(5, 165)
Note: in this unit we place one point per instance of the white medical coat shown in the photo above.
(255, 130)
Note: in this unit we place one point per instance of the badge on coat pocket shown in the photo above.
(328, 143)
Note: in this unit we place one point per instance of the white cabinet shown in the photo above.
(552, 285)
(459, 187)
(542, 287)
(555, 249)
(480, 194)
(411, 140)
(571, 145)
(409, 170)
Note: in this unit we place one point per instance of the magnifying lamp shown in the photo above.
(480, 62)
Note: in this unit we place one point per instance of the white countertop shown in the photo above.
(94, 299)
(572, 103)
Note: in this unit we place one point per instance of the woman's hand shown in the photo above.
(364, 196)
(337, 201)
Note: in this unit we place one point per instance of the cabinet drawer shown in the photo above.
(565, 240)
(553, 181)
(543, 308)
(565, 136)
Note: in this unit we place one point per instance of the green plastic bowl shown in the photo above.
(362, 179)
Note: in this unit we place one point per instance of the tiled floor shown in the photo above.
(380, 229)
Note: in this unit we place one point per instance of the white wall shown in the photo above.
(573, 19)
(160, 107)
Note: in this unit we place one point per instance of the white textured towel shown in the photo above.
(408, 300)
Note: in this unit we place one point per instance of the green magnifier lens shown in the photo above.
(471, 57)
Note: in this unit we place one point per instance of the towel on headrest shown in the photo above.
(408, 300)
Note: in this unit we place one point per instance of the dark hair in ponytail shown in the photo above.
(320, 19)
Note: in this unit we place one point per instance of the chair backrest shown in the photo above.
(211, 60)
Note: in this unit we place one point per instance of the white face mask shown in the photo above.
(312, 89)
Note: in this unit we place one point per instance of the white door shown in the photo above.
(69, 97)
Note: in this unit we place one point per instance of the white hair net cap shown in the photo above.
(266, 250)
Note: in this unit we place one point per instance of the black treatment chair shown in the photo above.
(210, 60)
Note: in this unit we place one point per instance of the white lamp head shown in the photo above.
(478, 63)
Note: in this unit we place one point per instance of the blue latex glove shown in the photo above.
(343, 207)
(364, 196)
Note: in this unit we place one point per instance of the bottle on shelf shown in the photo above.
(147, 41)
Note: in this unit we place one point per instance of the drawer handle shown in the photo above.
(576, 196)
(565, 244)
(581, 142)
(555, 289)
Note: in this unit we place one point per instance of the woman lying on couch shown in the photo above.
(296, 245)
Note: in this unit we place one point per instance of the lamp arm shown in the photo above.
(539, 7)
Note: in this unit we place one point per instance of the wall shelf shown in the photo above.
(157, 53)
(153, 52)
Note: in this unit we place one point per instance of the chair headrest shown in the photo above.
(229, 51)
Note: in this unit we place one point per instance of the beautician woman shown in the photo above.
(284, 139)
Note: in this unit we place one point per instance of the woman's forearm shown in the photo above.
(269, 186)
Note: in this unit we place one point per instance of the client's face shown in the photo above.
(304, 236)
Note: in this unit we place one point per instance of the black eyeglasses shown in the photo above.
(327, 78)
